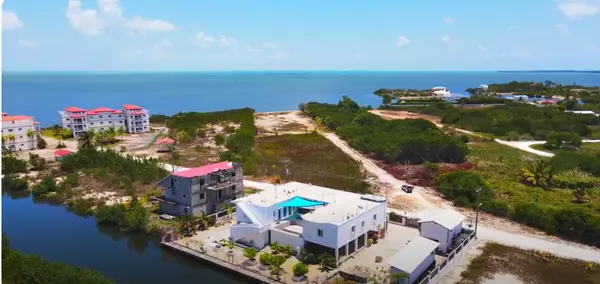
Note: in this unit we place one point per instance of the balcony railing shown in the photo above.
(221, 185)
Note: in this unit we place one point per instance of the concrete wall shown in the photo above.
(435, 231)
(286, 238)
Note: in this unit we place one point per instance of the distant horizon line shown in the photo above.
(288, 71)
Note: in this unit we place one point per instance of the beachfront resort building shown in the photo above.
(442, 226)
(19, 132)
(307, 216)
(132, 119)
(202, 189)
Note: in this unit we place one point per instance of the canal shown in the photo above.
(56, 234)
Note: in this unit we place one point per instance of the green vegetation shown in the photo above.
(113, 168)
(21, 268)
(12, 183)
(300, 269)
(551, 203)
(561, 140)
(13, 165)
(131, 217)
(523, 120)
(57, 132)
(310, 158)
(395, 141)
(240, 144)
(529, 266)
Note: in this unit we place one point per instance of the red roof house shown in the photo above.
(60, 154)
(74, 109)
(204, 170)
(131, 107)
(165, 140)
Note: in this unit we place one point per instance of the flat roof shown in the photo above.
(447, 218)
(16, 117)
(413, 254)
(341, 205)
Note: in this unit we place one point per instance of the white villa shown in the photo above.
(132, 119)
(303, 215)
(442, 226)
(19, 132)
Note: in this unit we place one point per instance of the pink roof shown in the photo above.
(165, 140)
(117, 111)
(131, 107)
(74, 109)
(137, 113)
(62, 152)
(102, 109)
(204, 170)
(36, 122)
(547, 102)
(77, 116)
(15, 117)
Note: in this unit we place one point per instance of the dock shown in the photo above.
(257, 277)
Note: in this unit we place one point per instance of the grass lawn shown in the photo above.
(528, 266)
(49, 133)
(500, 166)
(312, 159)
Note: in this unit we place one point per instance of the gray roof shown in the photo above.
(413, 254)
(447, 218)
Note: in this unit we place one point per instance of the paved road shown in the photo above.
(526, 146)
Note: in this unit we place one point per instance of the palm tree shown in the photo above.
(110, 133)
(4, 139)
(175, 157)
(120, 132)
(100, 137)
(86, 140)
(12, 138)
(30, 133)
(539, 173)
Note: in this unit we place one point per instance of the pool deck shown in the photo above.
(243, 272)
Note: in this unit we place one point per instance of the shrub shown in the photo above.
(568, 160)
(326, 262)
(462, 186)
(13, 165)
(265, 259)
(308, 257)
(300, 269)
(47, 185)
(250, 253)
(219, 139)
(41, 143)
(13, 183)
(37, 163)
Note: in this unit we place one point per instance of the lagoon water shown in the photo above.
(58, 235)
(43, 94)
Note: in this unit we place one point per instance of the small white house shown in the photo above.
(441, 226)
(414, 259)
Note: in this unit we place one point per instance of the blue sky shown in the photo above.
(300, 34)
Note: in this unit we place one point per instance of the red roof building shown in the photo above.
(204, 170)
(74, 109)
(132, 107)
(547, 102)
(165, 140)
(62, 153)
(15, 117)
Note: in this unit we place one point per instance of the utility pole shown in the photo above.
(287, 170)
(477, 210)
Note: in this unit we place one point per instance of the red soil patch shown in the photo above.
(418, 175)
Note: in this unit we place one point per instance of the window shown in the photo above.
(101, 122)
(185, 210)
(374, 216)
(352, 229)
(20, 137)
(20, 129)
(202, 195)
(100, 116)
(319, 232)
(109, 115)
(10, 130)
(233, 174)
(120, 121)
(362, 224)
(183, 195)
(91, 123)
(201, 181)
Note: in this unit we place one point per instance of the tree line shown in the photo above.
(22, 268)
(521, 119)
(412, 141)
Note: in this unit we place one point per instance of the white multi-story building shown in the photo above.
(304, 215)
(19, 132)
(131, 119)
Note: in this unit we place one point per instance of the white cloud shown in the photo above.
(26, 43)
(446, 39)
(481, 47)
(577, 9)
(279, 54)
(270, 45)
(402, 41)
(109, 13)
(448, 20)
(202, 40)
(141, 25)
(252, 49)
(227, 41)
(10, 21)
